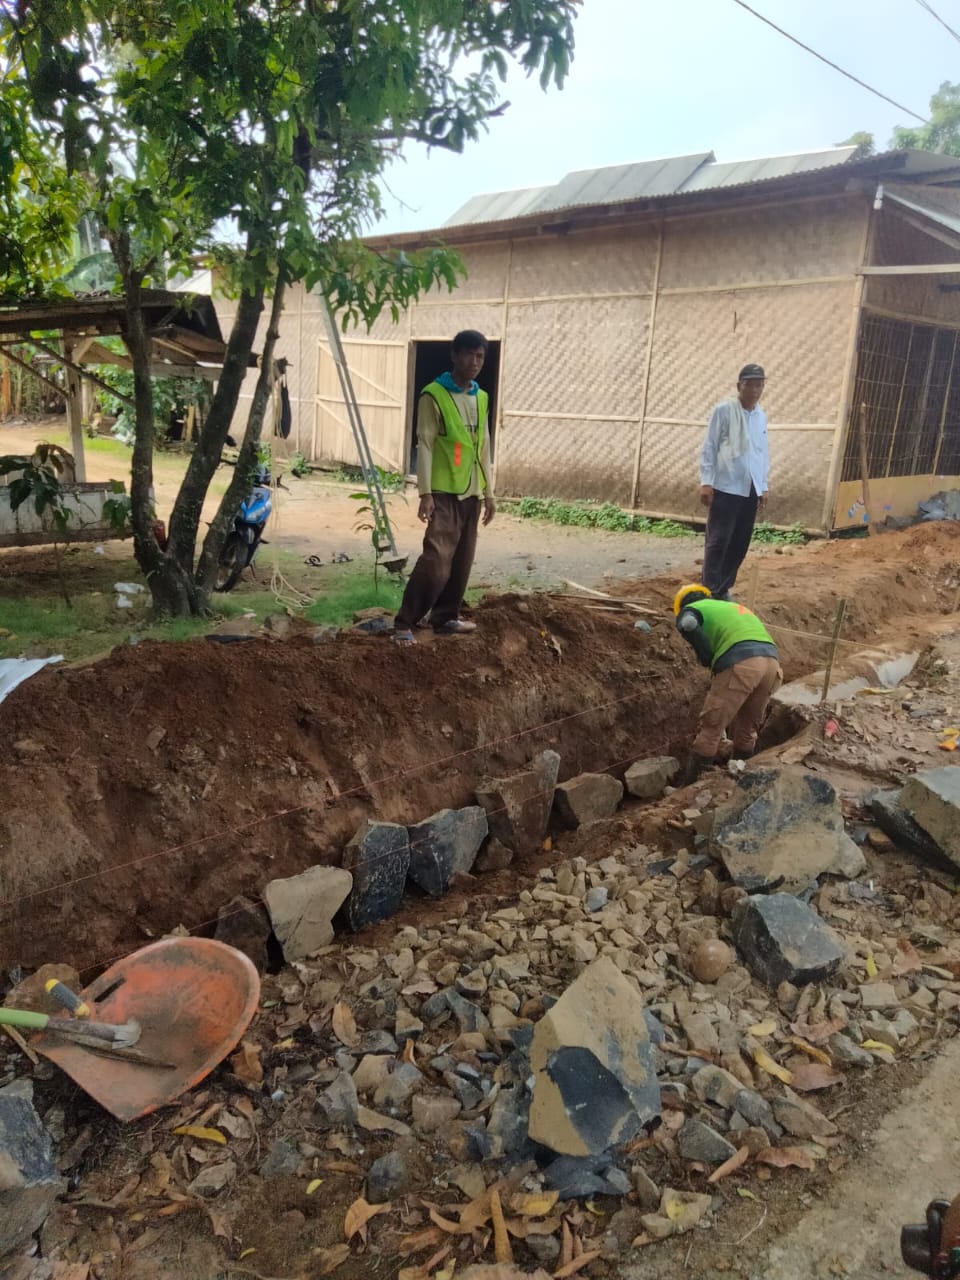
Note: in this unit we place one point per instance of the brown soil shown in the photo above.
(144, 791)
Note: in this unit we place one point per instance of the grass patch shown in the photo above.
(350, 590)
(595, 515)
(40, 622)
(766, 533)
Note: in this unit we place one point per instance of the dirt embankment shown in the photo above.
(146, 790)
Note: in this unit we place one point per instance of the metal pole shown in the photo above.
(370, 474)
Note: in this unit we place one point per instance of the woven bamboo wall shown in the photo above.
(770, 313)
(916, 297)
(301, 328)
(585, 263)
(806, 240)
(573, 312)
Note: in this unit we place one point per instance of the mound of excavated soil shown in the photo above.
(144, 791)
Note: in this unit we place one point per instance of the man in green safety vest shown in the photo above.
(455, 480)
(739, 650)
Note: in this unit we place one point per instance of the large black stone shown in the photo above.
(892, 818)
(445, 844)
(782, 829)
(378, 857)
(29, 1182)
(783, 940)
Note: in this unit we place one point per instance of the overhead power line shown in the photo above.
(849, 75)
(936, 17)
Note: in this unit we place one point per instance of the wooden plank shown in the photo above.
(647, 362)
(864, 467)
(917, 269)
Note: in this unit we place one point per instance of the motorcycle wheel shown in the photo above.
(233, 561)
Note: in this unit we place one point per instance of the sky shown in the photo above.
(654, 78)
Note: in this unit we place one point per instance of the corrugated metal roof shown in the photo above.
(613, 183)
(498, 206)
(939, 204)
(644, 180)
(679, 175)
(738, 173)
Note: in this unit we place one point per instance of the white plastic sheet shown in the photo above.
(14, 671)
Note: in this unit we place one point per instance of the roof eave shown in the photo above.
(824, 181)
(576, 217)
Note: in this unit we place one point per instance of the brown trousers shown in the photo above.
(440, 576)
(737, 699)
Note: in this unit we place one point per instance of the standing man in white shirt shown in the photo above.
(734, 474)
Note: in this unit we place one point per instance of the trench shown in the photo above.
(145, 791)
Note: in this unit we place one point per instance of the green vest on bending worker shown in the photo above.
(727, 633)
(456, 450)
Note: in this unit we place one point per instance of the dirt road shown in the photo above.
(316, 516)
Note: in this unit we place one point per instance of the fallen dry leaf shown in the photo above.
(766, 1063)
(427, 1238)
(786, 1158)
(819, 1032)
(736, 1161)
(329, 1259)
(344, 1166)
(202, 1134)
(576, 1265)
(502, 1248)
(496, 1271)
(811, 1076)
(534, 1206)
(908, 958)
(246, 1064)
(359, 1214)
(447, 1224)
(811, 1052)
(766, 1028)
(345, 1025)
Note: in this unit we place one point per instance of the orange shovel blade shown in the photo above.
(193, 998)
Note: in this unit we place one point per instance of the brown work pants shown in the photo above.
(736, 702)
(440, 576)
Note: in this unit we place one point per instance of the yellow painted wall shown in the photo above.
(895, 496)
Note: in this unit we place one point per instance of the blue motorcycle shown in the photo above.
(241, 543)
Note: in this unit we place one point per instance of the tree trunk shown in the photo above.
(173, 592)
(239, 484)
(185, 517)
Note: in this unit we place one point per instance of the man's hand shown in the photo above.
(761, 502)
(706, 495)
(426, 508)
(489, 509)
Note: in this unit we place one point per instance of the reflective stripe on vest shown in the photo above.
(456, 451)
(726, 623)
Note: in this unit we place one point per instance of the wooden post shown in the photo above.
(848, 385)
(864, 466)
(753, 589)
(75, 416)
(647, 363)
(835, 639)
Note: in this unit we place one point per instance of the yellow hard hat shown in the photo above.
(692, 588)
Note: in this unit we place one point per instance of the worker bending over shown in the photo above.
(739, 650)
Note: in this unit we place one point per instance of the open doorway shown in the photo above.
(429, 360)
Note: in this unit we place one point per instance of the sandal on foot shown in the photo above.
(456, 627)
(404, 637)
